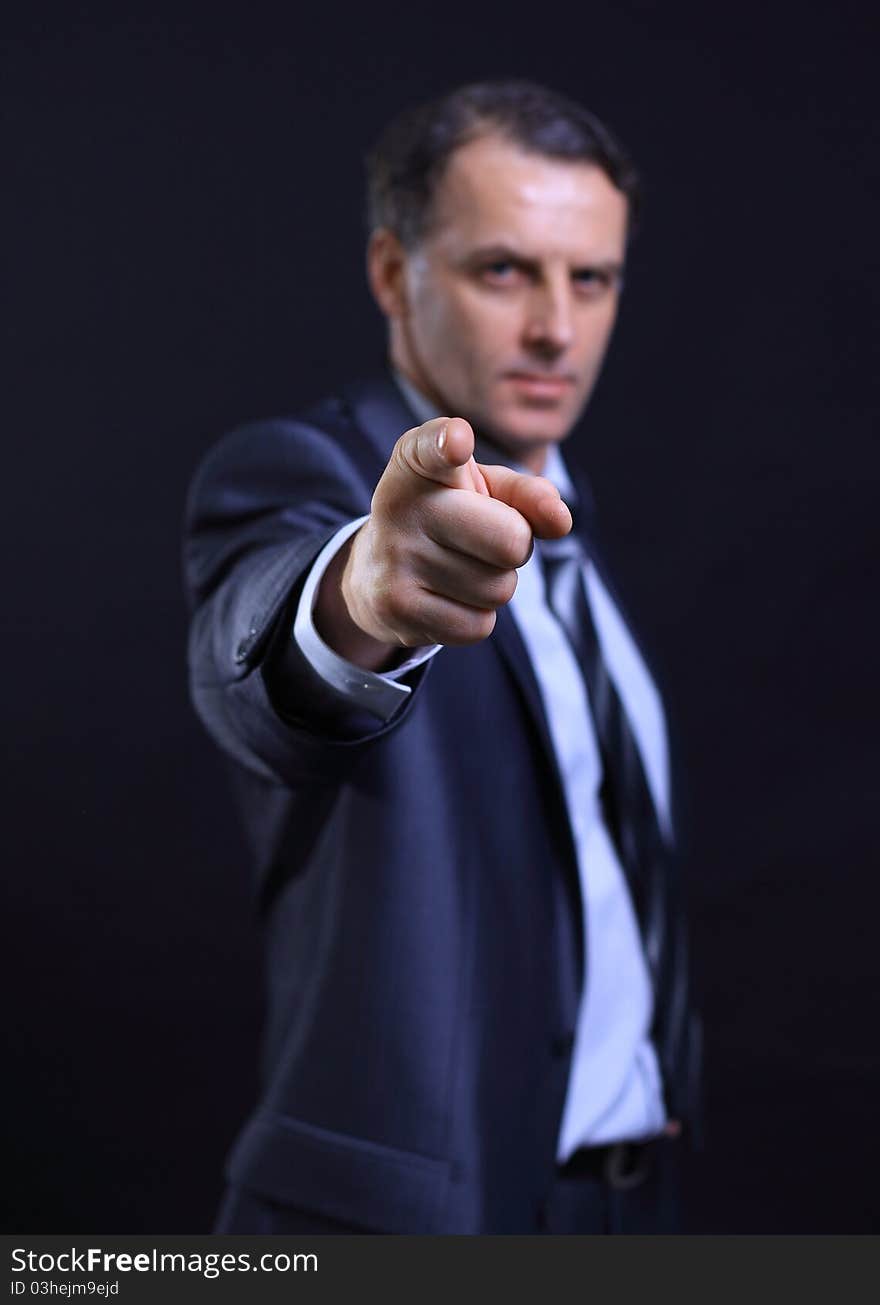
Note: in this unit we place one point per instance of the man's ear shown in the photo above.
(386, 266)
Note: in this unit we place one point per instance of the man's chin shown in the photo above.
(529, 429)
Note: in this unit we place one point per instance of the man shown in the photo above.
(449, 754)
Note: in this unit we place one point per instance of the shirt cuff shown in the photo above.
(379, 693)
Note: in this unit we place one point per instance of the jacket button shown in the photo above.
(561, 1045)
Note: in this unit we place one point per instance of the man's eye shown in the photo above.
(502, 270)
(591, 280)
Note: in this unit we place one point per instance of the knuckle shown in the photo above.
(515, 543)
(496, 590)
(405, 450)
(483, 625)
(381, 605)
(470, 627)
(415, 626)
(388, 601)
(505, 587)
(400, 459)
(417, 637)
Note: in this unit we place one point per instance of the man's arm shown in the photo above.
(382, 691)
(262, 505)
(435, 559)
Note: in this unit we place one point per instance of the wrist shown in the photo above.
(339, 617)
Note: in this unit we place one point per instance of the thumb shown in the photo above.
(442, 451)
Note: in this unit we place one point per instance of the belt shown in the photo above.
(619, 1164)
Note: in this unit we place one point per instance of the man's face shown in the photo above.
(510, 299)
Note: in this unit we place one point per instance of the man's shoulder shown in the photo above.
(360, 420)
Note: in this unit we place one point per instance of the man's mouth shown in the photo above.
(540, 385)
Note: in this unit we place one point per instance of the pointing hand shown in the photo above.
(440, 551)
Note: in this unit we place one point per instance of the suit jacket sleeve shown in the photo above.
(260, 508)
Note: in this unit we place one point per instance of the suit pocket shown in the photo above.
(344, 1177)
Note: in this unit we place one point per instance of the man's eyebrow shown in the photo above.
(497, 252)
(505, 253)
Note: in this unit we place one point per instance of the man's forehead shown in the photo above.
(493, 190)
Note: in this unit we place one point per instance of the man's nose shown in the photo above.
(549, 326)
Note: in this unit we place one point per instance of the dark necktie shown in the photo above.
(626, 799)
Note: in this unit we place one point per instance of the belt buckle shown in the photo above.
(626, 1165)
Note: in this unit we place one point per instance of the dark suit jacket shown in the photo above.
(418, 878)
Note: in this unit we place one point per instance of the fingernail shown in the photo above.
(441, 439)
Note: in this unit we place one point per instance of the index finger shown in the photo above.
(534, 497)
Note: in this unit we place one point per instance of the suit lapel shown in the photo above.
(507, 642)
(378, 409)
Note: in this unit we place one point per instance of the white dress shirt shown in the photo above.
(614, 1090)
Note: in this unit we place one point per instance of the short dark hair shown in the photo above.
(408, 160)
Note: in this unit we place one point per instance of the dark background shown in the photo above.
(184, 250)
